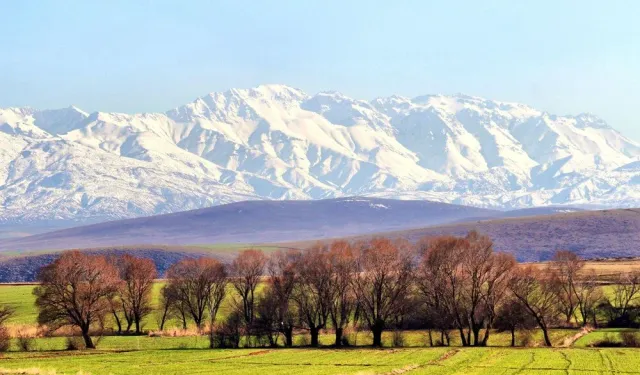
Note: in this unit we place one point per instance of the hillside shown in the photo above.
(277, 142)
(591, 234)
(255, 222)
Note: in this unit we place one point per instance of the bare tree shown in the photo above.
(6, 312)
(75, 290)
(464, 280)
(266, 323)
(383, 283)
(282, 281)
(167, 300)
(511, 316)
(138, 275)
(115, 307)
(342, 295)
(626, 291)
(589, 295)
(312, 290)
(192, 281)
(485, 276)
(538, 295)
(432, 283)
(216, 276)
(564, 270)
(247, 270)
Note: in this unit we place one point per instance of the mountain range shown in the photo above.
(276, 142)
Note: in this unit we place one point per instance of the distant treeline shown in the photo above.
(441, 284)
(25, 268)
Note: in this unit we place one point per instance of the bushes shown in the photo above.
(398, 338)
(74, 343)
(626, 339)
(630, 339)
(228, 333)
(25, 342)
(607, 342)
(5, 339)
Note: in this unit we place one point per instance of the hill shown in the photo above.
(255, 222)
(591, 234)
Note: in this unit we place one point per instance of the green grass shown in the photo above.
(592, 338)
(20, 298)
(413, 339)
(442, 361)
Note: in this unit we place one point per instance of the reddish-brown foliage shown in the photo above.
(75, 290)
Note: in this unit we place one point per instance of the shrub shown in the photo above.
(228, 333)
(398, 338)
(25, 342)
(526, 338)
(74, 343)
(304, 340)
(5, 339)
(630, 339)
(607, 342)
(344, 341)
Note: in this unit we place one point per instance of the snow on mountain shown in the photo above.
(277, 142)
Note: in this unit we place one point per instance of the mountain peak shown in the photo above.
(589, 120)
(276, 142)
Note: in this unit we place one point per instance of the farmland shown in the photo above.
(329, 361)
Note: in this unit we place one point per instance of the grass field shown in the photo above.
(328, 361)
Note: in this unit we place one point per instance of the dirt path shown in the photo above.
(569, 341)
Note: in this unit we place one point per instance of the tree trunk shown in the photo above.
(463, 339)
(430, 339)
(288, 337)
(211, 339)
(485, 339)
(315, 332)
(338, 337)
(377, 336)
(476, 335)
(118, 323)
(163, 319)
(513, 337)
(184, 320)
(137, 326)
(87, 339)
(547, 341)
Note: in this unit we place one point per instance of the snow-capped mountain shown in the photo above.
(277, 142)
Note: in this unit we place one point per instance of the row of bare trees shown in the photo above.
(444, 284)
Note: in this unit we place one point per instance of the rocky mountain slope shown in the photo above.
(277, 142)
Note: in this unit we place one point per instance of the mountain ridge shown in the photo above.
(277, 142)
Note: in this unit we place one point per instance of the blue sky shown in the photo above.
(565, 57)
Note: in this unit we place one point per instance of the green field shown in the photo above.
(327, 361)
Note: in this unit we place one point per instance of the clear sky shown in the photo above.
(565, 57)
